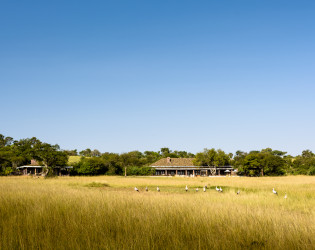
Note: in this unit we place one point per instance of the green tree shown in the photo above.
(212, 157)
(304, 163)
(86, 153)
(50, 156)
(5, 141)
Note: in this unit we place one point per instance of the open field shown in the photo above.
(106, 212)
(74, 159)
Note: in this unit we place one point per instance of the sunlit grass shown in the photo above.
(106, 212)
(74, 159)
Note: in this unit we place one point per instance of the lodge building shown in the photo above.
(36, 169)
(185, 167)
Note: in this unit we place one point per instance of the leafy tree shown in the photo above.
(165, 152)
(264, 162)
(50, 155)
(96, 153)
(113, 162)
(212, 157)
(151, 156)
(183, 154)
(73, 152)
(305, 163)
(91, 166)
(86, 153)
(140, 170)
(5, 141)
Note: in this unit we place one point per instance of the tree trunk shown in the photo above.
(45, 171)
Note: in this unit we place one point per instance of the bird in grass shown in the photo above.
(146, 189)
(285, 196)
(197, 189)
(238, 192)
(221, 189)
(186, 188)
(216, 188)
(136, 189)
(158, 189)
(204, 188)
(274, 191)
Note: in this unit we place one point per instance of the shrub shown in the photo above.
(140, 170)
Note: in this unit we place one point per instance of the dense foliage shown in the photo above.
(92, 162)
(212, 157)
(265, 162)
(16, 153)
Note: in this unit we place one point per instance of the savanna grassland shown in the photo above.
(105, 212)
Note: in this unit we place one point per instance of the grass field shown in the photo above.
(106, 212)
(74, 159)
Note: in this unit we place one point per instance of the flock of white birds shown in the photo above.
(205, 188)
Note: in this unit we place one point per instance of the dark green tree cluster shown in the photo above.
(89, 153)
(108, 163)
(16, 153)
(212, 158)
(258, 163)
(303, 164)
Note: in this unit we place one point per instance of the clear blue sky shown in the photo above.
(141, 75)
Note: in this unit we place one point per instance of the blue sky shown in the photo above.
(141, 75)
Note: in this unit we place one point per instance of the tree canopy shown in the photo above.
(14, 153)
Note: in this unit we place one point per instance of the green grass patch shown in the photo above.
(74, 159)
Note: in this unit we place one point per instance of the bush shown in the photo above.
(140, 170)
(311, 171)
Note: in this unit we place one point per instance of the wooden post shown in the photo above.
(125, 171)
(186, 172)
(176, 171)
(193, 172)
(35, 171)
(165, 172)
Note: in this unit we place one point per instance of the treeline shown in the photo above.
(274, 162)
(93, 162)
(17, 153)
(259, 163)
(268, 162)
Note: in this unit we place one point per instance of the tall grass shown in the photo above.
(105, 212)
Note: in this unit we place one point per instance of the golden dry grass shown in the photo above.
(74, 159)
(105, 212)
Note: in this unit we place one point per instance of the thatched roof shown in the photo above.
(180, 162)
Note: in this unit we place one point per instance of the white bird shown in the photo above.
(204, 188)
(216, 188)
(136, 189)
(186, 188)
(146, 189)
(285, 196)
(197, 189)
(221, 189)
(158, 189)
(238, 192)
(274, 191)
